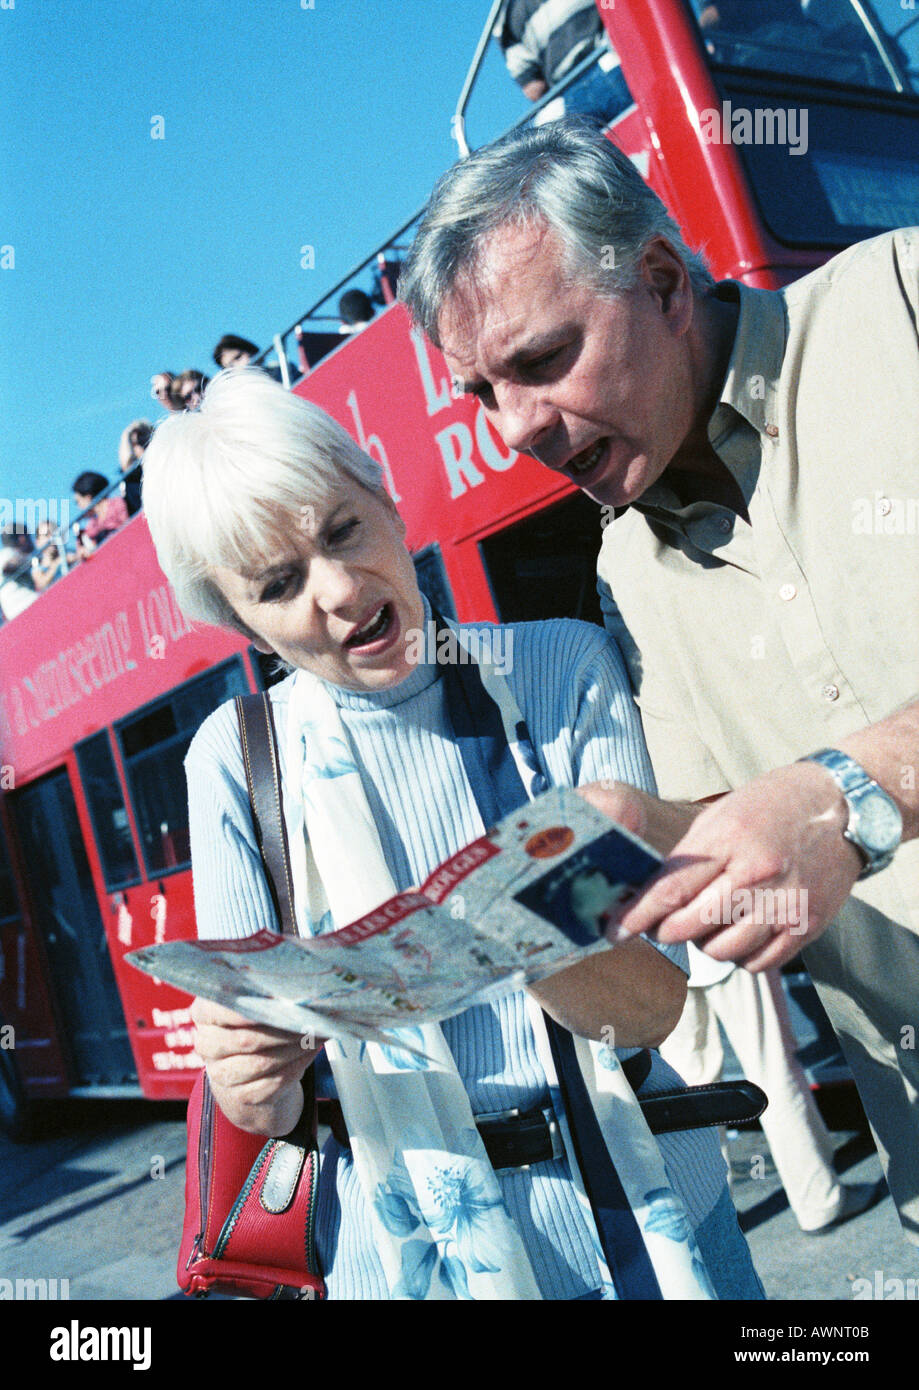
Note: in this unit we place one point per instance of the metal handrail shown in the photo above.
(458, 119)
(878, 36)
(458, 124)
(390, 244)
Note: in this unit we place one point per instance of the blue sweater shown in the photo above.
(571, 686)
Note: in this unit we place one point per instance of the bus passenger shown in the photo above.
(188, 387)
(355, 310)
(48, 563)
(16, 588)
(161, 386)
(268, 520)
(543, 40)
(134, 439)
(107, 517)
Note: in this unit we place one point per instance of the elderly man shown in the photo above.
(756, 455)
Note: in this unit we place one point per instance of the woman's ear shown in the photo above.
(390, 505)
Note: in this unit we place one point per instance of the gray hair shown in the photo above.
(230, 484)
(564, 174)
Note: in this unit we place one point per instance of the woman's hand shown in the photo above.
(629, 997)
(662, 824)
(254, 1071)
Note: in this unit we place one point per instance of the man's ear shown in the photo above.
(665, 274)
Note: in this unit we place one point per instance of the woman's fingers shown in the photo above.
(222, 1034)
(205, 1011)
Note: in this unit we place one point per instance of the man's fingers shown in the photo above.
(745, 938)
(779, 950)
(678, 884)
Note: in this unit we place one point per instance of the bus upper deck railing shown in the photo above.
(280, 346)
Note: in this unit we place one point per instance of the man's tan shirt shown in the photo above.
(750, 645)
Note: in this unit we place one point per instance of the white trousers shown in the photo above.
(754, 1014)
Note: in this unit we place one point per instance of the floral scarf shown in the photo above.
(442, 1230)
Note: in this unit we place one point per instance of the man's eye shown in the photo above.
(538, 364)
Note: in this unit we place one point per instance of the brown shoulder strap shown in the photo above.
(260, 759)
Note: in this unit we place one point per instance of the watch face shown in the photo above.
(879, 825)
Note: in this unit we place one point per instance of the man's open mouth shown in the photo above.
(587, 460)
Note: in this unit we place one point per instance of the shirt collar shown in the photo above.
(751, 384)
(750, 387)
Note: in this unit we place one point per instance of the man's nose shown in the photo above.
(524, 420)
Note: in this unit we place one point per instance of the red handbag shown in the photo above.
(250, 1203)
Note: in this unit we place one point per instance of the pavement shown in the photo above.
(96, 1199)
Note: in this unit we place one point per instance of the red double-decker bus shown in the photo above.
(775, 141)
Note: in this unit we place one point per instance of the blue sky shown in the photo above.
(283, 126)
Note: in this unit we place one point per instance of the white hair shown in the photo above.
(230, 483)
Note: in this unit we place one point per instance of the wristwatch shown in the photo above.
(875, 824)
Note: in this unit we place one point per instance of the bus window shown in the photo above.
(828, 164)
(827, 39)
(65, 912)
(9, 906)
(153, 745)
(107, 812)
(546, 566)
(433, 581)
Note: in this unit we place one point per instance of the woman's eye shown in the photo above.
(344, 532)
(276, 589)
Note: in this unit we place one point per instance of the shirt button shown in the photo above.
(772, 431)
(787, 592)
(830, 692)
(884, 505)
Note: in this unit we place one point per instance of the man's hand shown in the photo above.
(254, 1071)
(759, 874)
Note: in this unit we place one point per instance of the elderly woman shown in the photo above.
(269, 520)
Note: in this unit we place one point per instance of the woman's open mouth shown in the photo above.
(376, 633)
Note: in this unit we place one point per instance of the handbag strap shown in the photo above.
(498, 790)
(260, 759)
(263, 777)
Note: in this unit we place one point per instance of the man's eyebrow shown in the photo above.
(531, 348)
(537, 344)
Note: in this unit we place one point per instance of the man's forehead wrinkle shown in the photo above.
(458, 321)
(510, 248)
(474, 323)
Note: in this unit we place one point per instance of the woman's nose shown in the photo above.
(333, 584)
